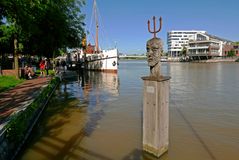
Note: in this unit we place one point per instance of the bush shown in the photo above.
(19, 124)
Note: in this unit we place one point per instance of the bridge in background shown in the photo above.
(132, 57)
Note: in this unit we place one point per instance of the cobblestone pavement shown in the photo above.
(18, 97)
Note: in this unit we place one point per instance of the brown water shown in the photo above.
(102, 117)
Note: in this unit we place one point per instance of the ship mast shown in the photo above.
(97, 28)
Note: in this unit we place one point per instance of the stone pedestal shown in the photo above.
(156, 115)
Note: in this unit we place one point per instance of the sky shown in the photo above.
(123, 23)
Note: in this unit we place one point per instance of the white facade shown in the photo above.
(177, 39)
(107, 61)
(206, 45)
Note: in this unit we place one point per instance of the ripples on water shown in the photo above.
(99, 116)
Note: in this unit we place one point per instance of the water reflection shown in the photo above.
(72, 115)
(203, 110)
(99, 116)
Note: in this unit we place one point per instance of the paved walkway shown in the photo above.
(17, 98)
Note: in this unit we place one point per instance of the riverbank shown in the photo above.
(219, 60)
(213, 60)
(21, 107)
(179, 59)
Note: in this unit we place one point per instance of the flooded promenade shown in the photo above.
(99, 116)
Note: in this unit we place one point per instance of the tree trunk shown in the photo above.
(16, 58)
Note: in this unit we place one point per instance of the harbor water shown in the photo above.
(98, 116)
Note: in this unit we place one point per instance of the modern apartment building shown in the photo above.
(178, 39)
(205, 45)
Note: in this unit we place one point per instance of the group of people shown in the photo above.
(44, 65)
(29, 72)
(60, 65)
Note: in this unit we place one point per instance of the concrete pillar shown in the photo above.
(156, 115)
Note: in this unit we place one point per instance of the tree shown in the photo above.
(59, 26)
(183, 52)
(231, 53)
(6, 45)
(42, 26)
(6, 36)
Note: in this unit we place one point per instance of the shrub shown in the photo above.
(19, 123)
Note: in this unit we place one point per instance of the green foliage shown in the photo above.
(6, 38)
(18, 125)
(8, 82)
(231, 53)
(236, 43)
(165, 54)
(7, 32)
(44, 26)
(50, 71)
(183, 52)
(133, 58)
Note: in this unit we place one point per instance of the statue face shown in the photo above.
(154, 48)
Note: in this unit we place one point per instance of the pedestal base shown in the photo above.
(156, 115)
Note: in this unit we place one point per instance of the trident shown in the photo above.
(154, 32)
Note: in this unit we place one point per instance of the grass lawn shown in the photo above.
(50, 72)
(7, 82)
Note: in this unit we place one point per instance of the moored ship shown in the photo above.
(101, 60)
(97, 59)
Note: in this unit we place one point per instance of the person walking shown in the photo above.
(42, 68)
(63, 64)
(57, 68)
(47, 66)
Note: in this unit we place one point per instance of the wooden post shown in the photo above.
(156, 115)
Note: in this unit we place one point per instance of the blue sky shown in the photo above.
(124, 22)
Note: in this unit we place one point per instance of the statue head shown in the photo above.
(154, 49)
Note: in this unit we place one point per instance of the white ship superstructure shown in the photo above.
(96, 59)
(106, 60)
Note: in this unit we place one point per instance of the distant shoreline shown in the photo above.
(177, 59)
(132, 58)
(217, 60)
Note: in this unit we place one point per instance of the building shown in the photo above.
(205, 46)
(198, 44)
(178, 39)
(236, 49)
